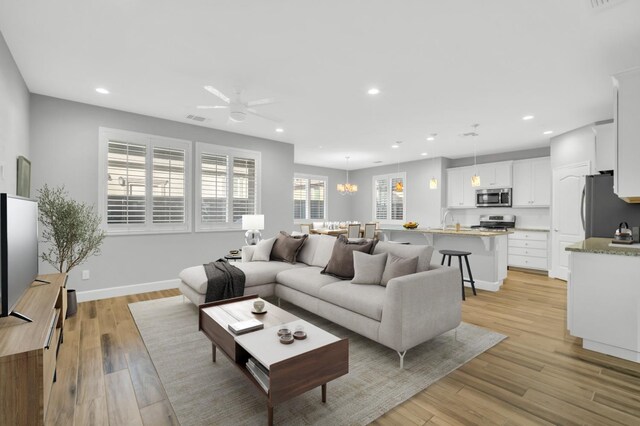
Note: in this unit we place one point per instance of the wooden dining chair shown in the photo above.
(354, 230)
(305, 228)
(369, 230)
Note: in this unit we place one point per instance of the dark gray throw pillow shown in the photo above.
(398, 267)
(286, 247)
(341, 263)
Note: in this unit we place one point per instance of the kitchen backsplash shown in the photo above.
(525, 218)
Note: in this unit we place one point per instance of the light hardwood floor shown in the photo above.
(539, 375)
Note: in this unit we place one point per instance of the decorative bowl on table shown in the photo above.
(410, 225)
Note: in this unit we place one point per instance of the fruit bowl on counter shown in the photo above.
(410, 225)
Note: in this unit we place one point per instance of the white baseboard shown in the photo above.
(125, 290)
(485, 285)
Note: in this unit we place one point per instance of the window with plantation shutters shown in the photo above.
(168, 186)
(226, 186)
(389, 198)
(309, 197)
(144, 183)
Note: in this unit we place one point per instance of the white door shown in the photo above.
(566, 215)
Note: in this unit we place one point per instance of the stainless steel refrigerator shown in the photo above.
(603, 210)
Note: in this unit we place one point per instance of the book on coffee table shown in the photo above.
(242, 327)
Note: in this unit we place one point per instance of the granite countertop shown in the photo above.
(601, 246)
(463, 232)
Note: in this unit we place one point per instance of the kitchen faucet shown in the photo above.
(447, 212)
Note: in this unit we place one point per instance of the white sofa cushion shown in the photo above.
(368, 268)
(323, 250)
(262, 252)
(307, 280)
(316, 250)
(256, 273)
(365, 300)
(407, 251)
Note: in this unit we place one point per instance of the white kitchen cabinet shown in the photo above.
(529, 249)
(605, 146)
(532, 183)
(460, 193)
(627, 128)
(495, 175)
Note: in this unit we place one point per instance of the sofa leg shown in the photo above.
(278, 302)
(402, 354)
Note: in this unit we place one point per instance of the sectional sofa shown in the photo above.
(410, 310)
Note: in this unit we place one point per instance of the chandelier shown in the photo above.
(475, 179)
(347, 188)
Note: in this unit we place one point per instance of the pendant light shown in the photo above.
(433, 182)
(475, 179)
(347, 188)
(399, 186)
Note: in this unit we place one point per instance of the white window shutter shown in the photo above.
(244, 187)
(300, 198)
(214, 188)
(382, 198)
(168, 186)
(317, 200)
(126, 188)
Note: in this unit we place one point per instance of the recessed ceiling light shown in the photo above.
(395, 145)
(102, 90)
(548, 132)
(431, 138)
(528, 117)
(377, 162)
(373, 91)
(424, 154)
(279, 130)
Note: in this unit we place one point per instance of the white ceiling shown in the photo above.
(440, 66)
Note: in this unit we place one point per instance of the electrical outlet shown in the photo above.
(85, 274)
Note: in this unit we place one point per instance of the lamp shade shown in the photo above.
(252, 221)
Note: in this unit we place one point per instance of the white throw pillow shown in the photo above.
(262, 252)
(368, 268)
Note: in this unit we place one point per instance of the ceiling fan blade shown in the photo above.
(266, 117)
(258, 102)
(211, 106)
(217, 93)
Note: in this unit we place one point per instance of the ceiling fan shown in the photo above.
(238, 109)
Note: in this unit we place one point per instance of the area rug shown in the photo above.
(204, 393)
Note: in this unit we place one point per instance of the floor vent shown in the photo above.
(602, 4)
(195, 118)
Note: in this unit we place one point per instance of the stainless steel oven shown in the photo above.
(493, 197)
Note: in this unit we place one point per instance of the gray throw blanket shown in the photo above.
(224, 281)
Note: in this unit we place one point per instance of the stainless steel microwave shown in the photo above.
(499, 197)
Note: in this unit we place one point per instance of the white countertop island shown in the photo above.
(489, 250)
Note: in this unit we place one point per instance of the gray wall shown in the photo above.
(64, 146)
(503, 156)
(339, 206)
(423, 204)
(14, 118)
(573, 147)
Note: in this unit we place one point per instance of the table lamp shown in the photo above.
(252, 223)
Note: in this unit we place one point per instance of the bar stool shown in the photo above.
(460, 255)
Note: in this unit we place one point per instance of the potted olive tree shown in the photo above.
(71, 232)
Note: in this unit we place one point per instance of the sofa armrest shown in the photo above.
(247, 253)
(420, 306)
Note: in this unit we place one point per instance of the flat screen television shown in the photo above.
(18, 250)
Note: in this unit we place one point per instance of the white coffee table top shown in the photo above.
(264, 345)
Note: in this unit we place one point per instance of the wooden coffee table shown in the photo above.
(293, 369)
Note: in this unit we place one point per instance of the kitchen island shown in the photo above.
(603, 297)
(488, 259)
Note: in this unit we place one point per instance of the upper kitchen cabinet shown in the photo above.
(460, 193)
(532, 183)
(605, 145)
(627, 135)
(495, 175)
